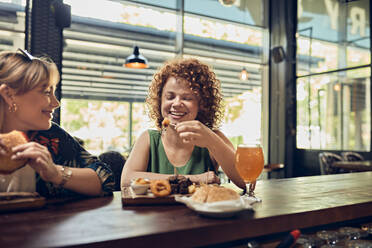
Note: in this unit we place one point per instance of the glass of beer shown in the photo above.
(249, 162)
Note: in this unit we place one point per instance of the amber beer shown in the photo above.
(249, 161)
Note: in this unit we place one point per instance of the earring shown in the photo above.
(13, 108)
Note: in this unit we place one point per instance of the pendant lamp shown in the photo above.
(136, 60)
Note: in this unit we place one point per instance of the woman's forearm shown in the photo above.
(224, 154)
(207, 177)
(140, 174)
(84, 181)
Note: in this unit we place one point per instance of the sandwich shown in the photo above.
(214, 193)
(8, 141)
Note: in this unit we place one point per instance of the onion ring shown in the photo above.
(160, 188)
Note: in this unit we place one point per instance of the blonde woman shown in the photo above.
(57, 165)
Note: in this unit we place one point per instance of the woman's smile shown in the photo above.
(48, 113)
(177, 114)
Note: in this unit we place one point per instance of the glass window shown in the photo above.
(332, 35)
(102, 125)
(333, 70)
(94, 78)
(98, 42)
(333, 111)
(229, 36)
(248, 12)
(12, 24)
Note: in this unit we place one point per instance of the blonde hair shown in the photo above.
(21, 74)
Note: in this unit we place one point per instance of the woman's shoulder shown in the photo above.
(143, 138)
(153, 132)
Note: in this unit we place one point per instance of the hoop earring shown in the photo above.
(13, 108)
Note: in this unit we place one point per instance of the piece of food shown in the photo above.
(10, 140)
(214, 193)
(141, 181)
(219, 193)
(192, 188)
(201, 194)
(6, 196)
(140, 186)
(165, 122)
(174, 188)
(183, 185)
(179, 184)
(173, 180)
(160, 188)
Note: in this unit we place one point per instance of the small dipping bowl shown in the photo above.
(140, 188)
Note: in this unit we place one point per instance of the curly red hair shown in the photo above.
(203, 82)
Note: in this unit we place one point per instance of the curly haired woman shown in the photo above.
(187, 93)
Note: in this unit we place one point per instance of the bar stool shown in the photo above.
(272, 167)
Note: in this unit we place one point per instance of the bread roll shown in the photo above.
(10, 140)
(214, 193)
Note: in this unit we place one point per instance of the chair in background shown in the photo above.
(116, 161)
(352, 156)
(325, 162)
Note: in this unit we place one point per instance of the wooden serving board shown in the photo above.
(14, 203)
(130, 198)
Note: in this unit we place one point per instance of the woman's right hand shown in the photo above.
(207, 177)
(40, 159)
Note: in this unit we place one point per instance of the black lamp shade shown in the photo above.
(136, 60)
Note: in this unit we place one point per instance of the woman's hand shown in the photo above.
(194, 132)
(206, 177)
(2, 148)
(39, 159)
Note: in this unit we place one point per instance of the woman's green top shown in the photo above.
(198, 163)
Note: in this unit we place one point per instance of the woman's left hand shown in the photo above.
(194, 132)
(208, 177)
(39, 159)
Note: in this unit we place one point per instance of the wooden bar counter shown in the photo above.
(287, 204)
(356, 166)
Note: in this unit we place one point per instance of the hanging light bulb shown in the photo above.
(337, 87)
(227, 3)
(243, 75)
(136, 60)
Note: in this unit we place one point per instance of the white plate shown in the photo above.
(221, 209)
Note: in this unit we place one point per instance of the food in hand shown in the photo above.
(160, 188)
(165, 122)
(214, 193)
(10, 140)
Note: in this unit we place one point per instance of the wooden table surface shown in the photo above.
(365, 165)
(103, 222)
